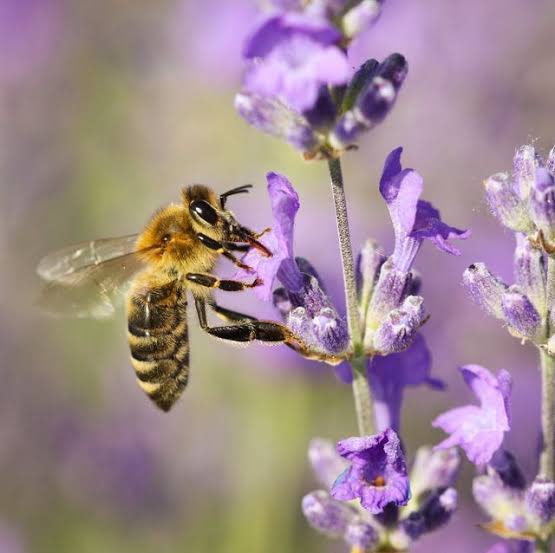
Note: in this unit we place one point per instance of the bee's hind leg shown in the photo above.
(263, 331)
(228, 314)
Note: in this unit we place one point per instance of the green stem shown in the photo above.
(361, 390)
(547, 460)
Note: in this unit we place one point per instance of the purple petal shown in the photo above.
(391, 374)
(285, 204)
(428, 224)
(274, 31)
(479, 430)
(295, 70)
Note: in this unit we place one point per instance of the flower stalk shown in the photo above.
(547, 461)
(361, 390)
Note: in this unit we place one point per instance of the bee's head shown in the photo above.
(210, 216)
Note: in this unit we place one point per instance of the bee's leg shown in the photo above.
(233, 246)
(228, 314)
(210, 281)
(264, 331)
(218, 247)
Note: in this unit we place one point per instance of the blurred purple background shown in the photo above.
(107, 109)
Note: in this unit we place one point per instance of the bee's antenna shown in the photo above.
(239, 190)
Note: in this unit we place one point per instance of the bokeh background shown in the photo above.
(106, 109)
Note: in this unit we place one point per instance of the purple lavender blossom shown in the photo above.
(525, 202)
(414, 220)
(285, 204)
(435, 511)
(479, 430)
(292, 57)
(512, 546)
(377, 475)
(271, 116)
(433, 469)
(390, 375)
(370, 96)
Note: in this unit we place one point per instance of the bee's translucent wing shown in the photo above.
(92, 290)
(68, 260)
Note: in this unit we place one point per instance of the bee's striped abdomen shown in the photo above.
(159, 342)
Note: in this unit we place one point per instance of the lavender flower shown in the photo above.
(377, 475)
(302, 302)
(512, 546)
(414, 220)
(525, 202)
(479, 430)
(285, 204)
(392, 315)
(434, 473)
(298, 85)
(294, 55)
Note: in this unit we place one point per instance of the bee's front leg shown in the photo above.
(223, 249)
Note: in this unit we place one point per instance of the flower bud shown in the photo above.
(530, 273)
(327, 515)
(273, 117)
(524, 167)
(375, 101)
(504, 464)
(435, 511)
(433, 469)
(395, 69)
(506, 204)
(361, 534)
(540, 499)
(485, 288)
(361, 78)
(542, 203)
(550, 164)
(360, 17)
(520, 315)
(368, 265)
(389, 292)
(330, 330)
(399, 327)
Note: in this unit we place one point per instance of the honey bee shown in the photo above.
(159, 269)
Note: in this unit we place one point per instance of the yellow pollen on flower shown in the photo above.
(379, 482)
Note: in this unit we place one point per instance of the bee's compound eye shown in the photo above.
(201, 209)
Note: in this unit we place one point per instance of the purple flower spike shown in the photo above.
(285, 204)
(414, 220)
(377, 475)
(479, 430)
(293, 56)
(390, 375)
